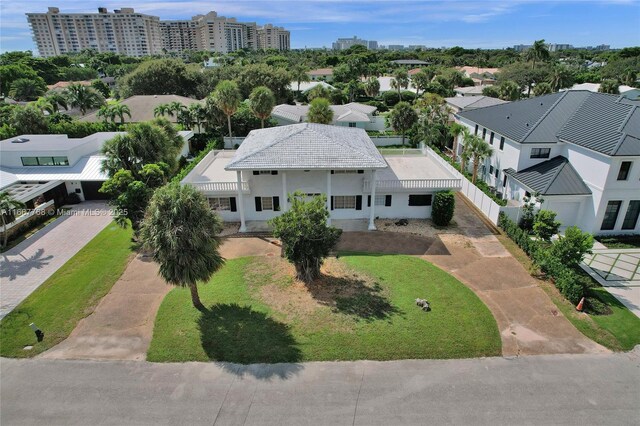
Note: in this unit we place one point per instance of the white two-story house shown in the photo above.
(251, 185)
(351, 115)
(579, 150)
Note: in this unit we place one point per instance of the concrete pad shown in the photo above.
(628, 296)
(232, 248)
(619, 274)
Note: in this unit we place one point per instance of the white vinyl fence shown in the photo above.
(482, 201)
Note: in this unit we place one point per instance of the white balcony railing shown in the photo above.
(411, 184)
(222, 187)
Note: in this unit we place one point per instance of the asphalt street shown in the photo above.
(555, 389)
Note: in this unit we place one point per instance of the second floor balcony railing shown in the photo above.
(414, 184)
(221, 187)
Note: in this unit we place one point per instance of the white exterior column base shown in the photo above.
(372, 211)
(243, 225)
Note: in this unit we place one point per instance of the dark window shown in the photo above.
(501, 143)
(497, 172)
(420, 200)
(623, 174)
(352, 124)
(504, 180)
(476, 132)
(490, 170)
(45, 161)
(491, 138)
(610, 215)
(631, 218)
(29, 161)
(540, 152)
(484, 133)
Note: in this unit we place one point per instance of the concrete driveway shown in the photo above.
(618, 271)
(538, 390)
(26, 266)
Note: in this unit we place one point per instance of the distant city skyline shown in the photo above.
(318, 23)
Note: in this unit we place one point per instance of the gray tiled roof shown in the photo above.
(600, 122)
(472, 102)
(552, 177)
(307, 146)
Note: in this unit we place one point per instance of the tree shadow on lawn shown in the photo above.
(353, 296)
(237, 334)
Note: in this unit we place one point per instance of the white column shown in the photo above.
(372, 210)
(284, 205)
(329, 196)
(243, 226)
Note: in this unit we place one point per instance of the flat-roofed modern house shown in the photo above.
(251, 185)
(580, 150)
(351, 115)
(52, 166)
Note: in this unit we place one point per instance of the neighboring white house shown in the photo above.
(351, 115)
(466, 103)
(53, 166)
(251, 185)
(469, 90)
(628, 91)
(579, 150)
(305, 86)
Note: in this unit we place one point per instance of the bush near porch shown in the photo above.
(363, 307)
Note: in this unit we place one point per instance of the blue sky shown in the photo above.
(478, 24)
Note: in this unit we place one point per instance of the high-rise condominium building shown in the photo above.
(122, 31)
(345, 43)
(135, 34)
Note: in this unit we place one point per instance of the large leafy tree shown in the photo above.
(161, 77)
(11, 72)
(83, 97)
(275, 78)
(261, 102)
(402, 118)
(227, 98)
(8, 206)
(432, 124)
(306, 237)
(28, 120)
(182, 231)
(320, 111)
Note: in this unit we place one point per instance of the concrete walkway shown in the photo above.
(618, 271)
(121, 327)
(556, 389)
(528, 321)
(26, 266)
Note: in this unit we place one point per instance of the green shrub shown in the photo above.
(571, 248)
(390, 98)
(570, 285)
(444, 204)
(545, 224)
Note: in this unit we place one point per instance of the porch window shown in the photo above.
(220, 203)
(631, 217)
(267, 203)
(351, 124)
(420, 200)
(611, 215)
(344, 202)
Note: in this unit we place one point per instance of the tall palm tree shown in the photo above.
(299, 75)
(106, 113)
(537, 52)
(120, 110)
(609, 86)
(261, 102)
(479, 150)
(58, 100)
(175, 108)
(182, 231)
(421, 79)
(45, 105)
(198, 114)
(372, 87)
(227, 97)
(8, 206)
(83, 97)
(400, 81)
(161, 110)
(456, 129)
(560, 78)
(320, 111)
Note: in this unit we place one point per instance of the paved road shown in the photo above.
(552, 389)
(24, 267)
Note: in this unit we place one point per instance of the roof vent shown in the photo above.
(541, 103)
(507, 117)
(527, 124)
(20, 140)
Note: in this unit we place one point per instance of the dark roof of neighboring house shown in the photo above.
(608, 124)
(410, 62)
(472, 102)
(142, 107)
(552, 177)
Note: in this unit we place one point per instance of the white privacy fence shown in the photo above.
(482, 201)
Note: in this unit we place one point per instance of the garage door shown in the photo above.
(90, 190)
(567, 212)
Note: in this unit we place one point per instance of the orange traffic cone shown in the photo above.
(580, 305)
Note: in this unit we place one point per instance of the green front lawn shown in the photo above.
(362, 308)
(69, 295)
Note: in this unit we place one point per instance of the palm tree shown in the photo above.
(198, 114)
(372, 87)
(120, 110)
(161, 110)
(182, 231)
(560, 78)
(106, 113)
(509, 91)
(299, 75)
(320, 111)
(227, 97)
(421, 79)
(456, 129)
(175, 108)
(537, 52)
(26, 89)
(542, 89)
(57, 99)
(479, 150)
(400, 80)
(83, 97)
(609, 86)
(465, 154)
(403, 117)
(261, 102)
(8, 206)
(45, 105)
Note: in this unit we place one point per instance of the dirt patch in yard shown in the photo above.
(338, 299)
